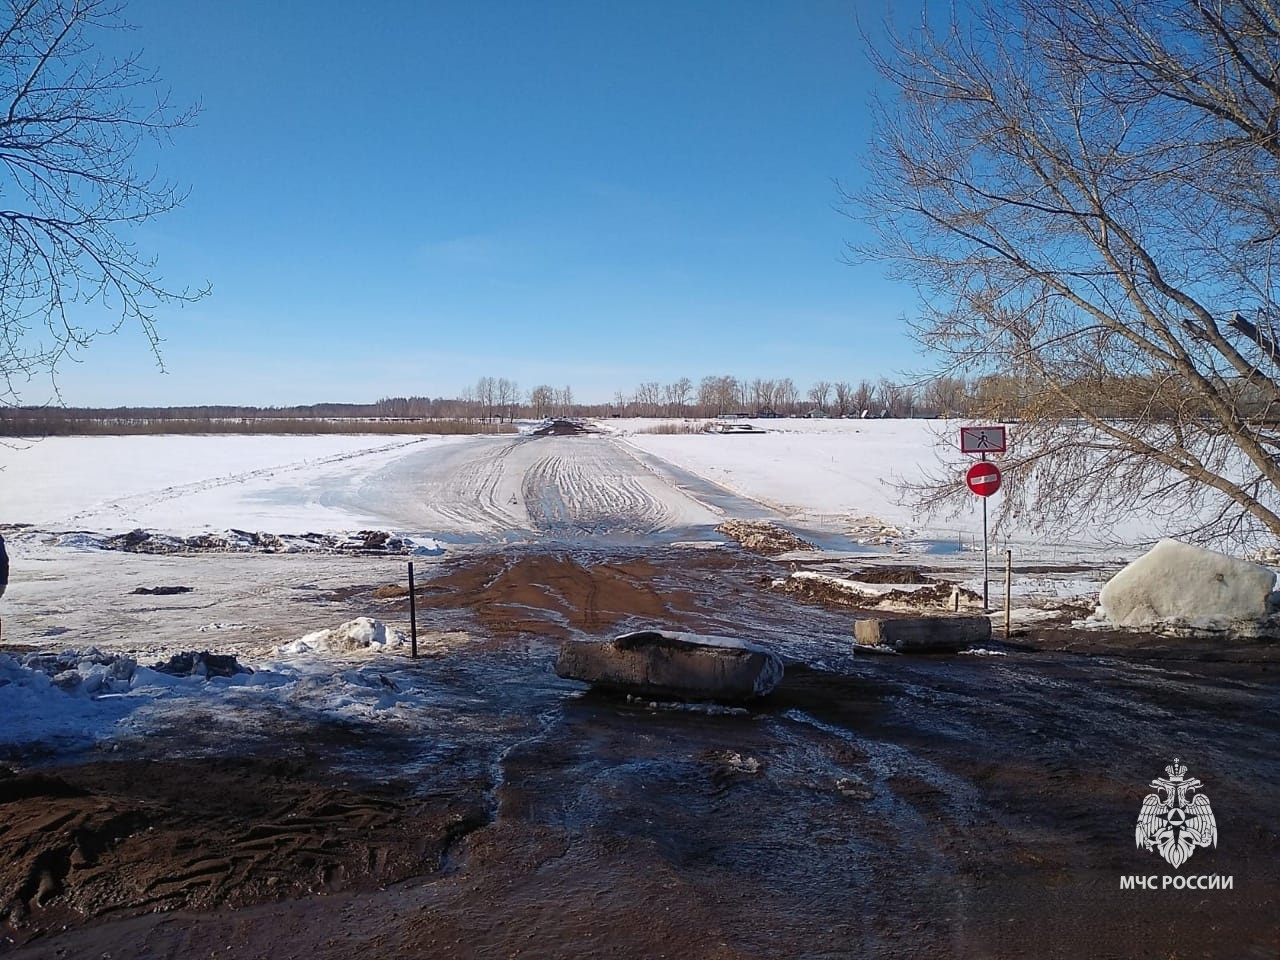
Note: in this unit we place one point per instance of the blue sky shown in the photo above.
(400, 199)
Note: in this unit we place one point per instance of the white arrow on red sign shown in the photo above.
(983, 478)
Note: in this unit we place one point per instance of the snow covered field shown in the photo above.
(190, 484)
(854, 475)
(843, 476)
(467, 492)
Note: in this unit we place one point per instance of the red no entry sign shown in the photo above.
(983, 478)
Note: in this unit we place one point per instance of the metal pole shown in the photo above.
(1008, 589)
(986, 571)
(413, 616)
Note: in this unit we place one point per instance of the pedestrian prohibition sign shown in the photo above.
(983, 478)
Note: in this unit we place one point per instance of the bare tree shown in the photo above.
(944, 396)
(71, 122)
(820, 394)
(785, 396)
(863, 398)
(486, 396)
(677, 396)
(717, 395)
(649, 398)
(508, 398)
(889, 397)
(542, 399)
(844, 397)
(1086, 191)
(684, 393)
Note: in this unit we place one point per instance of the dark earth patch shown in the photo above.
(872, 806)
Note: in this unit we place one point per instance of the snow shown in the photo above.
(847, 477)
(854, 475)
(344, 673)
(187, 484)
(275, 612)
(859, 586)
(363, 635)
(434, 487)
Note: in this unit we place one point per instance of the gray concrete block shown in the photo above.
(660, 663)
(923, 634)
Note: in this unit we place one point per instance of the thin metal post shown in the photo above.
(1008, 589)
(413, 616)
(986, 569)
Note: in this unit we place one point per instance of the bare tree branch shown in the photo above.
(71, 124)
(1085, 193)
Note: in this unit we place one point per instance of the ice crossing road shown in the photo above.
(459, 486)
(559, 487)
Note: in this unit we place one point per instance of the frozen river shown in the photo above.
(558, 487)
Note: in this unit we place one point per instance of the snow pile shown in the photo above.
(86, 672)
(424, 546)
(34, 711)
(361, 635)
(247, 541)
(78, 699)
(1181, 582)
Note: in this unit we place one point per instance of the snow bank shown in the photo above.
(185, 484)
(245, 541)
(361, 635)
(86, 672)
(73, 700)
(1178, 581)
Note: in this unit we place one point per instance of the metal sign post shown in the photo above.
(986, 565)
(983, 478)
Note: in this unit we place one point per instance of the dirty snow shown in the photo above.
(276, 612)
(79, 698)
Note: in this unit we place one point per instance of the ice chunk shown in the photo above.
(1178, 581)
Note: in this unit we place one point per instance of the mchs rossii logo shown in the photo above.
(1174, 822)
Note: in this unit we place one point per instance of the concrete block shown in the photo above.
(923, 634)
(661, 663)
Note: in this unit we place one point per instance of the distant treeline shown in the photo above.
(493, 402)
(66, 422)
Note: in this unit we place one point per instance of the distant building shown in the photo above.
(817, 413)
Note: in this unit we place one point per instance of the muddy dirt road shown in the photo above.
(874, 806)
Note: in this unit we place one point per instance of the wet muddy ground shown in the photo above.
(875, 805)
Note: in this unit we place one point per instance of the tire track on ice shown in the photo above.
(149, 498)
(475, 495)
(589, 495)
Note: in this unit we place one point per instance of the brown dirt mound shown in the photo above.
(938, 596)
(761, 536)
(134, 837)
(561, 428)
(891, 575)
